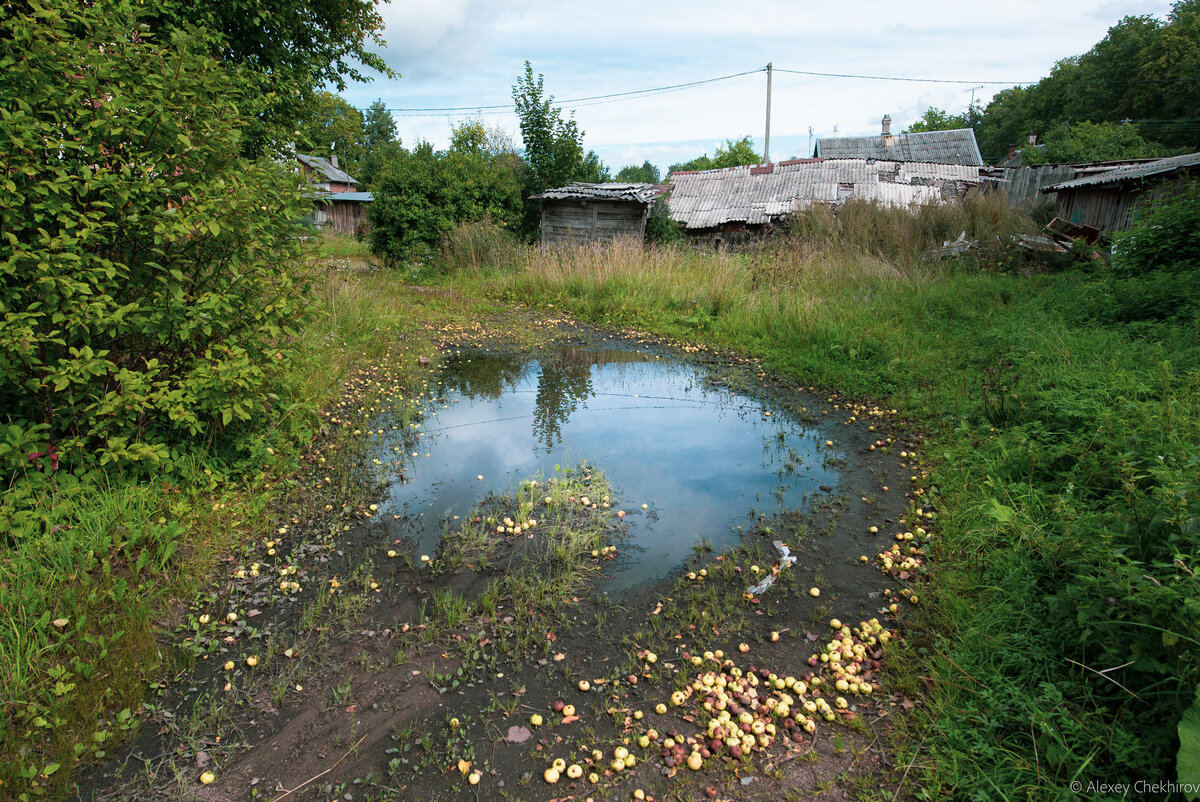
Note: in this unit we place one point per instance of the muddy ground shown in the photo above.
(380, 677)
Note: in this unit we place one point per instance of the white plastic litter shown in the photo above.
(785, 559)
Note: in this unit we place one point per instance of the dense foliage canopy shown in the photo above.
(147, 285)
(1145, 71)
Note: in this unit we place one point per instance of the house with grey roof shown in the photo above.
(338, 203)
(732, 204)
(325, 174)
(1107, 200)
(583, 213)
(939, 147)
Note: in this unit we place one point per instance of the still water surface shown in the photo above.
(704, 459)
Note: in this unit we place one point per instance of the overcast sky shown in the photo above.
(469, 53)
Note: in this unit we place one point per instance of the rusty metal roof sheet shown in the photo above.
(945, 147)
(635, 193)
(764, 193)
(1130, 172)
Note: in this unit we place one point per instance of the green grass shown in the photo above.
(1061, 626)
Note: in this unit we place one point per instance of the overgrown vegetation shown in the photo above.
(152, 300)
(1062, 630)
(151, 280)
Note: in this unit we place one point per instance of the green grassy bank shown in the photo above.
(119, 558)
(1062, 634)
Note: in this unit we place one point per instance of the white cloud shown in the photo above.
(470, 52)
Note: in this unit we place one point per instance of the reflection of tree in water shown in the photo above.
(560, 389)
(483, 375)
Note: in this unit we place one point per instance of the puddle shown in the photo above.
(703, 459)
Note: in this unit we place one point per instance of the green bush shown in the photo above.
(148, 284)
(1156, 263)
(420, 196)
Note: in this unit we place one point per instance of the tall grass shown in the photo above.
(1062, 633)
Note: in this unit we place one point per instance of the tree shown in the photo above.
(1092, 142)
(553, 145)
(332, 125)
(289, 50)
(935, 119)
(1143, 71)
(419, 197)
(150, 284)
(378, 126)
(593, 170)
(380, 143)
(731, 154)
(646, 174)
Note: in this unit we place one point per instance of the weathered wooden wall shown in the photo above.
(1021, 184)
(345, 216)
(572, 221)
(1104, 208)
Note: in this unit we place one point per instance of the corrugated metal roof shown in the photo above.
(1130, 172)
(359, 197)
(754, 195)
(635, 193)
(325, 168)
(957, 146)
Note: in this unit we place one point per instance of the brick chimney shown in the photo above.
(1032, 140)
(887, 125)
(333, 160)
(1012, 152)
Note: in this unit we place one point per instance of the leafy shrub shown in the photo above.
(661, 228)
(147, 274)
(420, 196)
(1156, 263)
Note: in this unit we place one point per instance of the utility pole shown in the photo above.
(971, 107)
(767, 142)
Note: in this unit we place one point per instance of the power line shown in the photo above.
(416, 112)
(893, 78)
(617, 97)
(989, 83)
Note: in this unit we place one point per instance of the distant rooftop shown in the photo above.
(763, 193)
(957, 146)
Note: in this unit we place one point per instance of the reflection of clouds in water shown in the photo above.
(702, 456)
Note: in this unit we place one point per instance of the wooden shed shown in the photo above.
(583, 213)
(1107, 200)
(345, 211)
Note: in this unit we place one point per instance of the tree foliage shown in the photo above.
(553, 145)
(646, 174)
(1144, 70)
(147, 285)
(420, 196)
(935, 119)
(331, 125)
(731, 154)
(290, 49)
(378, 126)
(1084, 142)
